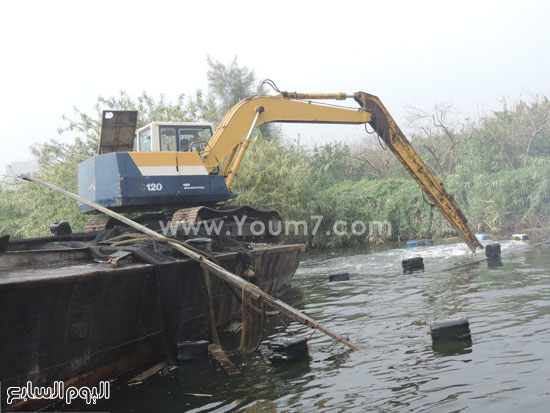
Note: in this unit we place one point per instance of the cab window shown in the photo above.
(193, 139)
(168, 140)
(145, 140)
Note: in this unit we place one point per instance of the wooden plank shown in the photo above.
(219, 355)
(214, 268)
(149, 372)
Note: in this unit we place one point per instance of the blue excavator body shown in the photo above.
(116, 182)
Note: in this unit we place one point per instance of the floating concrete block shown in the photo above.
(413, 264)
(494, 262)
(342, 276)
(492, 250)
(287, 350)
(449, 330)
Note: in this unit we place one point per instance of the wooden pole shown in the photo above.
(217, 270)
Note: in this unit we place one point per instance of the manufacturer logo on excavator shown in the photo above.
(188, 186)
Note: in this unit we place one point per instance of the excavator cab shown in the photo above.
(173, 137)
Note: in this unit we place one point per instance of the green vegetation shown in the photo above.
(497, 168)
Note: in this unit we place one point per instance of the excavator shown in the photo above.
(186, 170)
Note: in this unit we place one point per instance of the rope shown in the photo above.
(250, 311)
(211, 313)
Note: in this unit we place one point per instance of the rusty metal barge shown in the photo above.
(64, 316)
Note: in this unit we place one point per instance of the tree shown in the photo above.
(229, 84)
(376, 160)
(436, 133)
(523, 129)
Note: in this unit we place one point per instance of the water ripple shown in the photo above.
(387, 313)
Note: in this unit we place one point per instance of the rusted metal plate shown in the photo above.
(117, 131)
(18, 260)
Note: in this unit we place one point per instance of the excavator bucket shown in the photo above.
(118, 128)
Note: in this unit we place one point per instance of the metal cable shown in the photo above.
(270, 83)
(428, 203)
(383, 138)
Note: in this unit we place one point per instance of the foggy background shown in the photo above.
(61, 54)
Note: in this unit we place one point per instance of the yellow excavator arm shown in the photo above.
(227, 146)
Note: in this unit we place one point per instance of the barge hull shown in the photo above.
(82, 322)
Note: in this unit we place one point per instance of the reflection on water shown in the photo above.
(452, 348)
(505, 367)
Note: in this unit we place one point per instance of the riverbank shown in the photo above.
(512, 202)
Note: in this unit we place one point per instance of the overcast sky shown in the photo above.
(56, 54)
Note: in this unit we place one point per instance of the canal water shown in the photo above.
(506, 367)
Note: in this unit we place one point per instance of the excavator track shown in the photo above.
(185, 215)
(96, 224)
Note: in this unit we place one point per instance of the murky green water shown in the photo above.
(387, 313)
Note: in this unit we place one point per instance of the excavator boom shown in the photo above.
(227, 146)
(236, 123)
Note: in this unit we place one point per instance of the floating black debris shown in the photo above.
(492, 250)
(286, 350)
(342, 276)
(450, 330)
(413, 264)
(192, 350)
